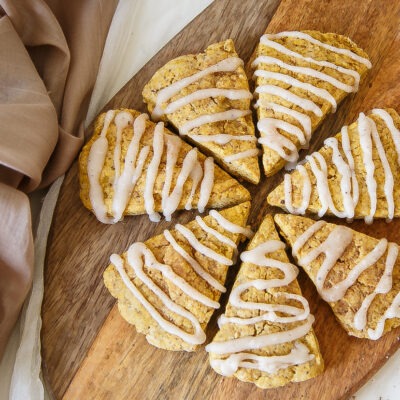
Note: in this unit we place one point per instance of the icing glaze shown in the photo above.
(273, 312)
(164, 95)
(226, 65)
(222, 138)
(333, 248)
(322, 63)
(211, 118)
(309, 38)
(242, 154)
(270, 134)
(126, 178)
(349, 186)
(140, 256)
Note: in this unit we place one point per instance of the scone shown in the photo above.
(266, 334)
(359, 276)
(355, 175)
(132, 166)
(169, 286)
(300, 77)
(206, 98)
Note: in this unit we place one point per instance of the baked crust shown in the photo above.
(272, 161)
(134, 312)
(362, 209)
(229, 331)
(184, 66)
(291, 227)
(226, 191)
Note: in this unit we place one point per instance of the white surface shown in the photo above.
(26, 382)
(138, 31)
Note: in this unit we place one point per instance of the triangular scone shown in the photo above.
(170, 285)
(359, 276)
(265, 335)
(355, 175)
(206, 98)
(300, 77)
(158, 172)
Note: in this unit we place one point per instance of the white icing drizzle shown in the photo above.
(304, 71)
(299, 354)
(190, 168)
(383, 287)
(282, 49)
(231, 94)
(350, 160)
(270, 136)
(392, 312)
(240, 344)
(287, 95)
(321, 174)
(121, 120)
(211, 118)
(206, 184)
(139, 255)
(230, 226)
(135, 254)
(306, 192)
(333, 247)
(152, 171)
(364, 130)
(322, 93)
(243, 154)
(200, 247)
(349, 186)
(240, 358)
(303, 119)
(222, 138)
(383, 114)
(221, 237)
(227, 65)
(194, 264)
(389, 181)
(309, 38)
(96, 158)
(306, 236)
(125, 181)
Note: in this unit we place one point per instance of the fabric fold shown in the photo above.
(16, 257)
(50, 52)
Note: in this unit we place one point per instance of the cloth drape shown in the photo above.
(49, 56)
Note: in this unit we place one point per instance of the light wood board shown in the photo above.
(89, 351)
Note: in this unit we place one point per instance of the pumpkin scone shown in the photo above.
(356, 174)
(132, 166)
(170, 285)
(206, 98)
(300, 77)
(359, 276)
(266, 334)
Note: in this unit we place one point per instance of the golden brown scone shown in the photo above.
(362, 207)
(135, 311)
(350, 288)
(232, 332)
(225, 190)
(235, 81)
(292, 101)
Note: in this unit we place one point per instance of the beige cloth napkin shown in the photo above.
(49, 56)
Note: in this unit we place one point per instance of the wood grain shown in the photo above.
(89, 352)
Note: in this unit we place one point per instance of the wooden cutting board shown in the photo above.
(89, 351)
